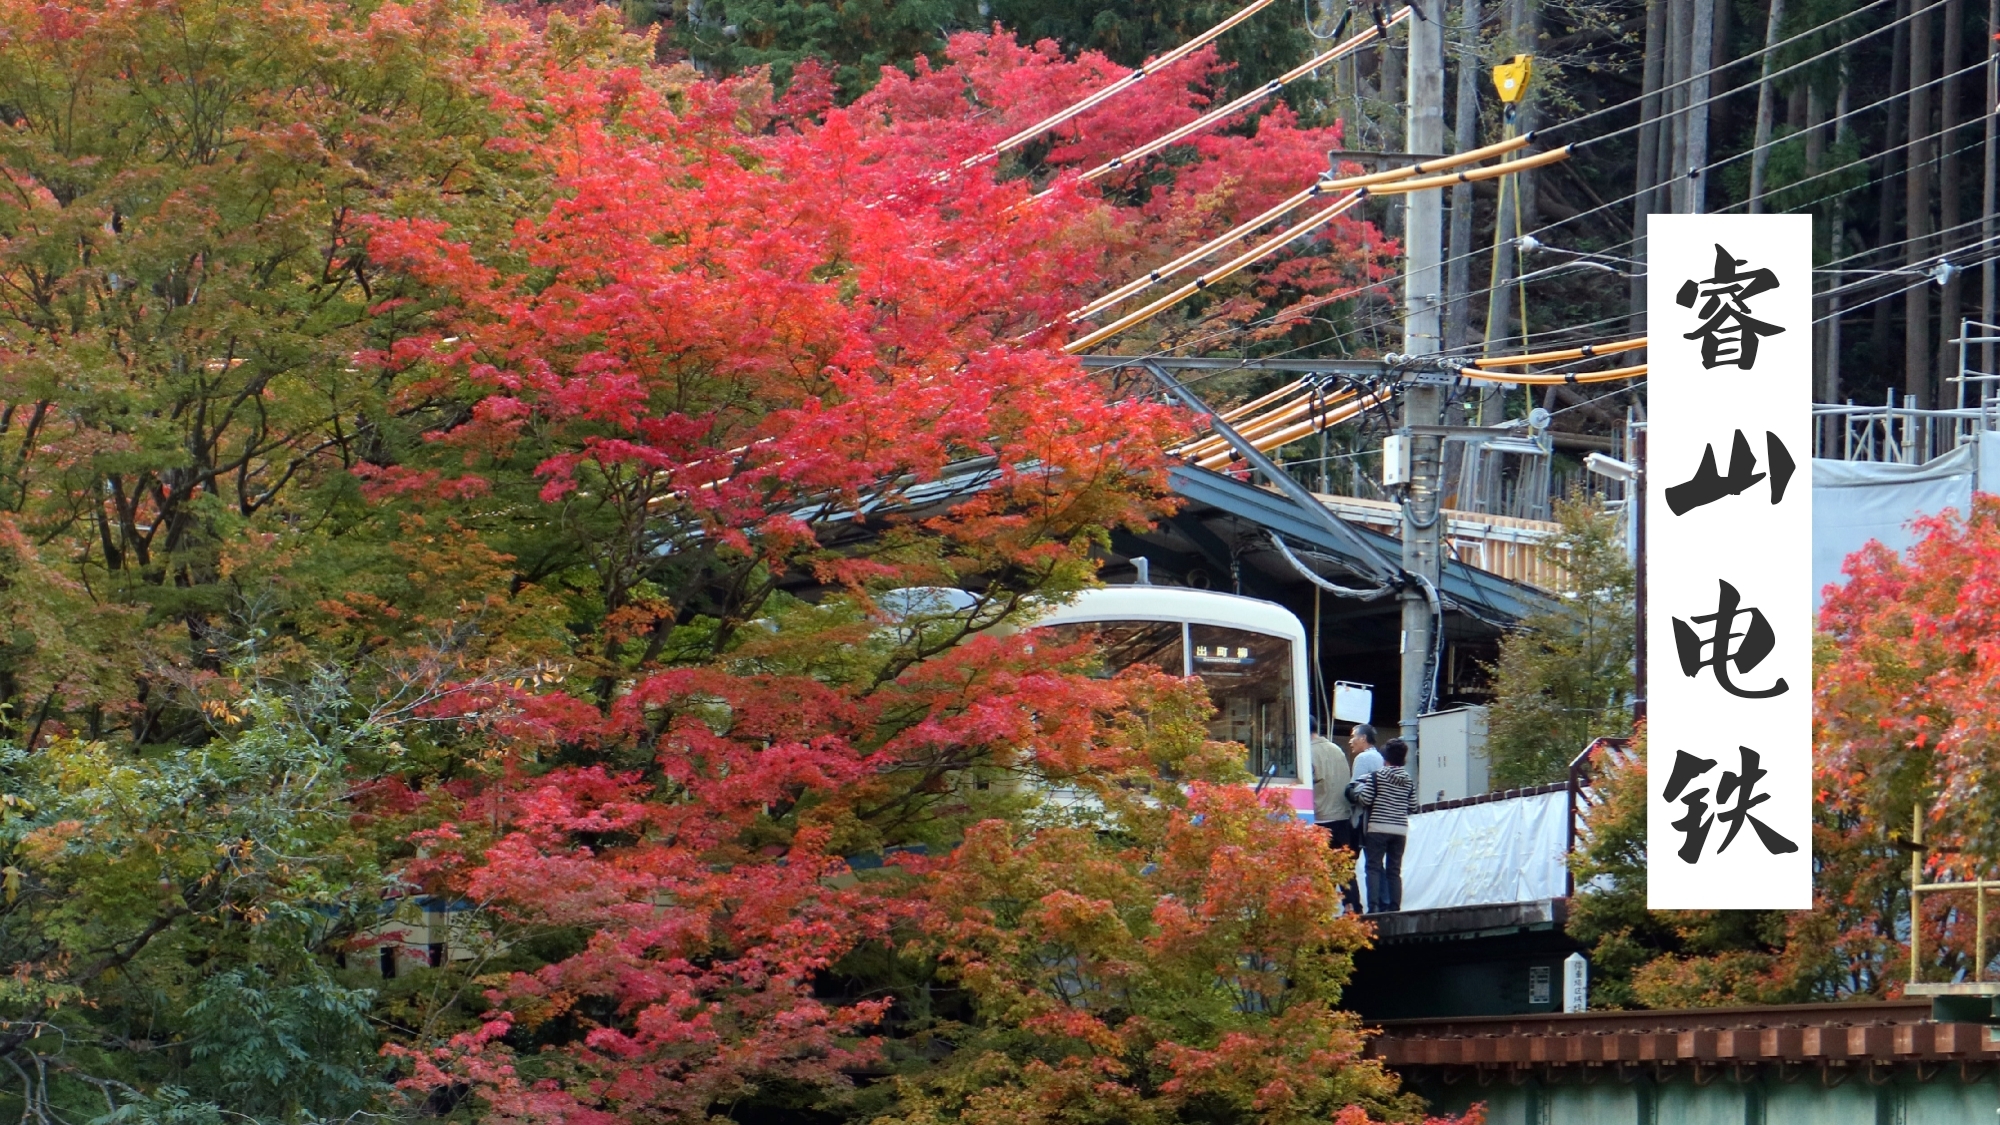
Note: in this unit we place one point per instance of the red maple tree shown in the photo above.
(763, 363)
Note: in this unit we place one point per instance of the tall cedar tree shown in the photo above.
(1564, 676)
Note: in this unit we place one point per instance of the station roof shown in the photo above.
(1475, 592)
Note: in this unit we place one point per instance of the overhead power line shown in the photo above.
(1726, 161)
(1174, 136)
(1256, 253)
(1588, 351)
(1908, 269)
(1274, 242)
(1837, 193)
(1557, 224)
(1411, 184)
(1922, 279)
(1243, 230)
(1150, 67)
(1856, 163)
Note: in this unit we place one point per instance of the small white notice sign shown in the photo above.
(1353, 703)
(1728, 629)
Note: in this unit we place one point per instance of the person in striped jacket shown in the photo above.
(1389, 797)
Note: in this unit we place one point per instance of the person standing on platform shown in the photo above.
(1389, 795)
(1331, 809)
(1365, 759)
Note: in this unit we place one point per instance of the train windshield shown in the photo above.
(1248, 676)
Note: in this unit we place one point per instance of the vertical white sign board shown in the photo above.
(1729, 596)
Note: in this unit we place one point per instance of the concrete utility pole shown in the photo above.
(1423, 402)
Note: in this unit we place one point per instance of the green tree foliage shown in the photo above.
(1564, 676)
(188, 289)
(171, 922)
(855, 40)
(1130, 31)
(852, 39)
(1642, 958)
(1903, 726)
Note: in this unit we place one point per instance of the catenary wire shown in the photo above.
(1710, 168)
(1383, 283)
(1132, 78)
(1360, 40)
(1392, 280)
(1844, 310)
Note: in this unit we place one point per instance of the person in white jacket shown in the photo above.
(1366, 760)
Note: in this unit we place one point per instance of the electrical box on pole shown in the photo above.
(1395, 460)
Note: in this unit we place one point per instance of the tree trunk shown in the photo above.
(1524, 31)
(1951, 302)
(1465, 136)
(1917, 352)
(1760, 153)
(1828, 383)
(1815, 130)
(1680, 17)
(1646, 182)
(1701, 53)
(1881, 344)
(1458, 281)
(1499, 288)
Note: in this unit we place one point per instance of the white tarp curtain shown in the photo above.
(1501, 851)
(1856, 501)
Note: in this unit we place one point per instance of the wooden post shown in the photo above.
(1916, 877)
(1979, 932)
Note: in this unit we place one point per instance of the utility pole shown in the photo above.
(1423, 399)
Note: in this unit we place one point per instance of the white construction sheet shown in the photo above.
(1501, 851)
(1856, 501)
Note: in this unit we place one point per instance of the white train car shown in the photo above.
(1250, 654)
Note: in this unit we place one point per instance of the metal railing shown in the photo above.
(1900, 434)
(1903, 434)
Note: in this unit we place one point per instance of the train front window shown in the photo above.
(1249, 678)
(1126, 644)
